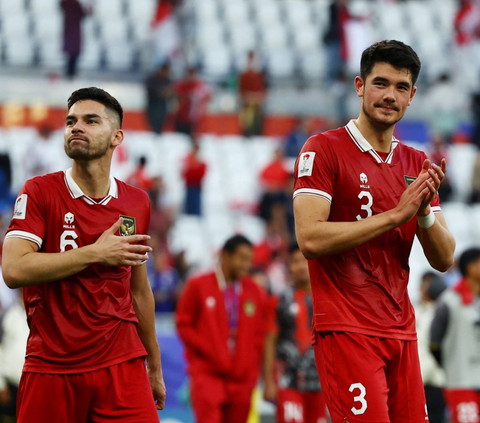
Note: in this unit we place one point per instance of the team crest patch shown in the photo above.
(409, 179)
(249, 308)
(128, 226)
(305, 164)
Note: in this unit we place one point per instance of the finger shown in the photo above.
(139, 248)
(426, 165)
(135, 238)
(115, 227)
(437, 179)
(438, 170)
(444, 165)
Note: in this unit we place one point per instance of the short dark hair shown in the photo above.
(100, 96)
(234, 242)
(395, 53)
(467, 257)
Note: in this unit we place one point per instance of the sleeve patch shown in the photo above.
(305, 164)
(20, 211)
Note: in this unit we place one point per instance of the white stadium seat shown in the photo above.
(114, 30)
(306, 38)
(15, 25)
(243, 37)
(274, 37)
(267, 12)
(236, 12)
(19, 51)
(298, 13)
(48, 26)
(281, 63)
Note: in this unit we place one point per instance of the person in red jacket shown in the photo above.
(193, 172)
(221, 320)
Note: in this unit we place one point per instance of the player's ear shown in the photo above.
(412, 94)
(117, 138)
(359, 86)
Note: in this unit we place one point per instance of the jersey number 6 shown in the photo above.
(68, 239)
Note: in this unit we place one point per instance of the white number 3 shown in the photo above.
(359, 398)
(367, 207)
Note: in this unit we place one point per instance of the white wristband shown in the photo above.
(426, 222)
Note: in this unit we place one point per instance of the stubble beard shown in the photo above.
(86, 153)
(379, 123)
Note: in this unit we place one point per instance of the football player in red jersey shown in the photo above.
(76, 244)
(360, 197)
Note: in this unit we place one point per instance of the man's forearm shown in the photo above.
(32, 268)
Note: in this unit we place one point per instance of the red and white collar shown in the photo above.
(76, 192)
(364, 146)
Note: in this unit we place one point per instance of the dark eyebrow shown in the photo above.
(382, 79)
(87, 116)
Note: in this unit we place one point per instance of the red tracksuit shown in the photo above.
(222, 375)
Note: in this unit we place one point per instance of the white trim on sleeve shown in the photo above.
(25, 235)
(436, 209)
(311, 191)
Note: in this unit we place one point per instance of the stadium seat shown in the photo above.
(236, 11)
(306, 38)
(274, 37)
(313, 64)
(298, 13)
(114, 30)
(15, 25)
(281, 63)
(48, 26)
(43, 7)
(8, 7)
(461, 163)
(267, 13)
(108, 9)
(210, 35)
(51, 54)
(217, 62)
(19, 51)
(90, 56)
(243, 38)
(141, 12)
(120, 56)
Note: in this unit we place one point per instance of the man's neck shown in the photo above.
(92, 178)
(379, 138)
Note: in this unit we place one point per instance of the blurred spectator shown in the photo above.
(6, 198)
(164, 280)
(455, 340)
(475, 194)
(335, 38)
(140, 177)
(289, 361)
(193, 172)
(476, 119)
(160, 91)
(437, 152)
(13, 346)
(443, 116)
(41, 158)
(73, 15)
(296, 138)
(161, 216)
(432, 374)
(340, 91)
(253, 90)
(467, 22)
(221, 320)
(193, 96)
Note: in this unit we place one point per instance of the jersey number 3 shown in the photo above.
(368, 206)
(359, 398)
(67, 239)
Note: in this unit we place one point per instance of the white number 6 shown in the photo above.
(360, 398)
(68, 239)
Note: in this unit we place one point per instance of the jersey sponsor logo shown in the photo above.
(128, 226)
(409, 179)
(305, 164)
(249, 308)
(69, 218)
(364, 181)
(20, 210)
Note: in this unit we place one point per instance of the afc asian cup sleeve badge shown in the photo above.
(128, 226)
(249, 308)
(305, 164)
(20, 210)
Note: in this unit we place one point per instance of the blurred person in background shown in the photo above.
(296, 138)
(160, 91)
(161, 214)
(41, 158)
(253, 92)
(193, 172)
(455, 340)
(7, 199)
(73, 14)
(140, 177)
(475, 193)
(221, 320)
(193, 96)
(437, 151)
(12, 357)
(290, 375)
(433, 375)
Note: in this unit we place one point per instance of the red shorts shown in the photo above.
(464, 405)
(370, 380)
(217, 400)
(119, 393)
(300, 407)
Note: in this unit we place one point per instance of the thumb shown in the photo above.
(115, 227)
(426, 165)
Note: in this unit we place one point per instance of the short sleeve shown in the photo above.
(314, 169)
(28, 219)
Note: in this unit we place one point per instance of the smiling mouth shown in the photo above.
(77, 139)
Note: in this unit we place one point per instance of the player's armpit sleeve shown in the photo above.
(28, 219)
(315, 169)
(438, 329)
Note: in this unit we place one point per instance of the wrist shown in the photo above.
(427, 221)
(425, 212)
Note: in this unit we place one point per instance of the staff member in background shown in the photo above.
(221, 320)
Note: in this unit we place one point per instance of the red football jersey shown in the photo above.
(363, 289)
(86, 321)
